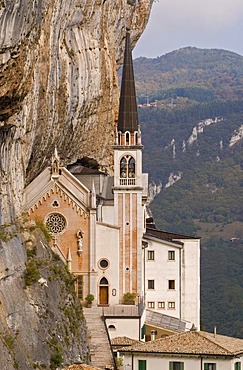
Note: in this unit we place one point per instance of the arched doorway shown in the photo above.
(104, 292)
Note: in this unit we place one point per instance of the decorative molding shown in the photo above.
(54, 187)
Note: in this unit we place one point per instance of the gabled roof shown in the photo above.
(192, 343)
(65, 183)
(124, 341)
(128, 115)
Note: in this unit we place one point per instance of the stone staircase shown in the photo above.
(100, 350)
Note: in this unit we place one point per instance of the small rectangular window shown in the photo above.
(161, 304)
(150, 255)
(171, 284)
(150, 284)
(142, 365)
(209, 366)
(151, 305)
(171, 305)
(171, 255)
(176, 365)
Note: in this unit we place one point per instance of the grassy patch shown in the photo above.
(40, 224)
(56, 358)
(9, 341)
(32, 274)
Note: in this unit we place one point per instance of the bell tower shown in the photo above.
(129, 182)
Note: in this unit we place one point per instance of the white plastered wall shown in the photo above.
(128, 327)
(161, 270)
(191, 282)
(107, 247)
(159, 362)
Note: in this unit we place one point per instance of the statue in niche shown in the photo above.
(55, 163)
(80, 241)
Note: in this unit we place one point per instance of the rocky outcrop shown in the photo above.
(58, 76)
(58, 86)
(41, 320)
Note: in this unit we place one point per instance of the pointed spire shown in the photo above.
(69, 260)
(55, 163)
(128, 116)
(93, 195)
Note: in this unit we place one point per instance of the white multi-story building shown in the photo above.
(172, 279)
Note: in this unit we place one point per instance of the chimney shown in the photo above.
(215, 331)
(153, 334)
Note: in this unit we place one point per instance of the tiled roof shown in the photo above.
(124, 341)
(81, 367)
(160, 320)
(195, 343)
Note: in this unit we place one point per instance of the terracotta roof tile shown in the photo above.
(124, 341)
(192, 343)
(81, 367)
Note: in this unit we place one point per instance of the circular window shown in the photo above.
(56, 223)
(103, 264)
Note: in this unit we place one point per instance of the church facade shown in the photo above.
(98, 225)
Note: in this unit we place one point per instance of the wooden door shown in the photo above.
(103, 295)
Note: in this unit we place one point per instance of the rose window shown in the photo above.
(56, 223)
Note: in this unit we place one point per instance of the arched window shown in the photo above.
(131, 168)
(119, 138)
(127, 138)
(103, 281)
(127, 170)
(112, 327)
(123, 167)
(135, 137)
(127, 167)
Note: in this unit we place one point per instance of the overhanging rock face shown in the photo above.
(58, 70)
(58, 64)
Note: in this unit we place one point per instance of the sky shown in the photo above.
(174, 24)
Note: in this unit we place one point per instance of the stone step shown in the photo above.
(100, 350)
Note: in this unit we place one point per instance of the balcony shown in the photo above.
(128, 181)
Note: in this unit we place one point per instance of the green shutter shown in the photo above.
(142, 365)
(170, 365)
(182, 365)
(206, 366)
(143, 330)
(237, 366)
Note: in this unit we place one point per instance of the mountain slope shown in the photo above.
(193, 148)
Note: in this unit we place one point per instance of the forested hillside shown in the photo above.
(193, 138)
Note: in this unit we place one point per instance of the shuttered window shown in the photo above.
(176, 365)
(142, 365)
(143, 330)
(237, 366)
(209, 366)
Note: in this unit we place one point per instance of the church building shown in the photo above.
(98, 225)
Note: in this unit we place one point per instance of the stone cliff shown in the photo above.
(58, 78)
(58, 86)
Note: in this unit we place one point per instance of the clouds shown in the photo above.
(200, 13)
(177, 23)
